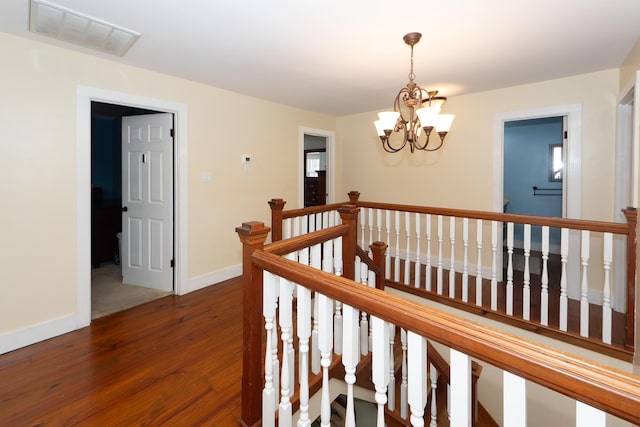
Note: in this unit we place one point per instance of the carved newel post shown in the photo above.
(277, 206)
(349, 216)
(252, 235)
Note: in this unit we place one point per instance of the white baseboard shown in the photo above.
(211, 279)
(23, 337)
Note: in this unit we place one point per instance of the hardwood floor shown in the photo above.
(174, 361)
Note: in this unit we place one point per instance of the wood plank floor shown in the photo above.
(174, 361)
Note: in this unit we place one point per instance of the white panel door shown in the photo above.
(147, 201)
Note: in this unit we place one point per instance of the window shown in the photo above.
(555, 163)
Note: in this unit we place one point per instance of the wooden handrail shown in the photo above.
(283, 247)
(606, 388)
(577, 224)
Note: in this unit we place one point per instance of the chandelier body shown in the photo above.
(415, 111)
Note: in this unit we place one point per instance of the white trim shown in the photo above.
(331, 161)
(202, 282)
(85, 95)
(574, 151)
(42, 331)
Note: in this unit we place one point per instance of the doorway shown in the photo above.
(316, 167)
(315, 170)
(85, 96)
(109, 291)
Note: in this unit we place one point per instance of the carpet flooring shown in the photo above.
(109, 295)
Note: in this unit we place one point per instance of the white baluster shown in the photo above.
(296, 226)
(564, 300)
(357, 267)
(311, 221)
(584, 288)
(509, 297)
(337, 320)
(387, 257)
(439, 285)
(370, 231)
(325, 341)
(515, 400)
(285, 321)
(407, 257)
(379, 223)
(327, 267)
(286, 229)
(418, 266)
(350, 358)
(479, 263)
(364, 323)
(303, 254)
(494, 265)
(544, 281)
(304, 332)
(417, 363)
(465, 260)
(391, 389)
(316, 262)
(362, 226)
(460, 389)
(526, 290)
(269, 393)
(588, 416)
(433, 376)
(319, 221)
(606, 295)
(403, 384)
(396, 264)
(371, 282)
(380, 364)
(428, 265)
(452, 265)
(291, 353)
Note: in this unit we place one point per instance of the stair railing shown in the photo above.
(563, 266)
(270, 275)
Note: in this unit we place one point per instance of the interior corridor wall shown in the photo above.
(38, 169)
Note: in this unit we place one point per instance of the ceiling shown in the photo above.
(342, 57)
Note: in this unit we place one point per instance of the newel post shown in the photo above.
(349, 216)
(252, 235)
(378, 250)
(277, 205)
(632, 221)
(353, 197)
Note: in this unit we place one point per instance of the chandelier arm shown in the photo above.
(442, 135)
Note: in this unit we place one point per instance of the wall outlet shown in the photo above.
(246, 159)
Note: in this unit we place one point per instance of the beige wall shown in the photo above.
(460, 175)
(630, 65)
(38, 164)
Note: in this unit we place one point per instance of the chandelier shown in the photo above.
(415, 111)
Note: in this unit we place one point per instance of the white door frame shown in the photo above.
(571, 185)
(330, 137)
(84, 96)
(626, 179)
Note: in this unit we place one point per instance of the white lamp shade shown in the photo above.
(388, 119)
(428, 116)
(443, 122)
(379, 129)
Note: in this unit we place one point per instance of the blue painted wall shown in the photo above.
(526, 164)
(106, 157)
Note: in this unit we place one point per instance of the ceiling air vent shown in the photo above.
(64, 24)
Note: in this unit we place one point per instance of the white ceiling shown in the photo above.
(347, 56)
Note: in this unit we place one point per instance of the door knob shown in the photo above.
(125, 209)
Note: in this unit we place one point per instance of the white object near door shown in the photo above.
(147, 201)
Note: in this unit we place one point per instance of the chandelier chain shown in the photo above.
(411, 73)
